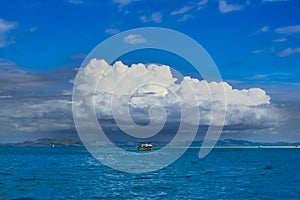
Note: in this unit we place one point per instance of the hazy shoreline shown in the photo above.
(227, 143)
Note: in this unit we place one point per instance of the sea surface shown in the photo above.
(72, 173)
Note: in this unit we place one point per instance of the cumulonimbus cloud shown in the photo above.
(243, 107)
(246, 109)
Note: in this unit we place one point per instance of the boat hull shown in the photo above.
(144, 148)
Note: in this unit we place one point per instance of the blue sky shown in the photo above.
(255, 43)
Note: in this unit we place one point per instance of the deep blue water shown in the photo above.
(72, 173)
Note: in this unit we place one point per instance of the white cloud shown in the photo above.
(188, 8)
(185, 18)
(282, 39)
(66, 92)
(134, 39)
(224, 7)
(181, 10)
(264, 29)
(155, 17)
(112, 31)
(244, 107)
(289, 30)
(5, 27)
(288, 51)
(5, 97)
(202, 2)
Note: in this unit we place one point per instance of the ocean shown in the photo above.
(72, 173)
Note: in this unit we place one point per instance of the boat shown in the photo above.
(145, 146)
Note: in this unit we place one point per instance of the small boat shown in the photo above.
(260, 146)
(145, 146)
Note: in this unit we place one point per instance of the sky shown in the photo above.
(254, 43)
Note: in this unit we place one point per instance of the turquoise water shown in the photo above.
(72, 173)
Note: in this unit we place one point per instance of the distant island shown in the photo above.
(231, 142)
(47, 142)
(65, 142)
